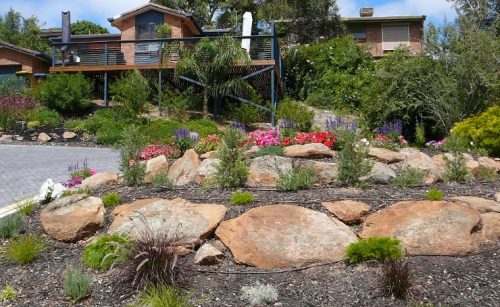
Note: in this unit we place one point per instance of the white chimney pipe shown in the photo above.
(247, 31)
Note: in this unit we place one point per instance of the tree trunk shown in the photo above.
(205, 103)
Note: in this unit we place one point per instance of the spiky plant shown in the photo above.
(397, 278)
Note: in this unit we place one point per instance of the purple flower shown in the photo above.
(238, 126)
(181, 133)
(395, 126)
(288, 124)
(340, 123)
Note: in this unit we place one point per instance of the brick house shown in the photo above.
(383, 35)
(15, 60)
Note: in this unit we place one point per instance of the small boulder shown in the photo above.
(68, 135)
(314, 150)
(490, 230)
(264, 171)
(414, 158)
(207, 169)
(348, 211)
(208, 254)
(99, 180)
(188, 222)
(155, 167)
(285, 236)
(73, 218)
(184, 170)
(250, 153)
(427, 227)
(325, 172)
(381, 173)
(44, 138)
(6, 138)
(497, 197)
(385, 155)
(480, 204)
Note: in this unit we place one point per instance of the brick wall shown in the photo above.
(27, 62)
(128, 33)
(416, 37)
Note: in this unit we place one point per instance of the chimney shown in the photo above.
(366, 12)
(66, 30)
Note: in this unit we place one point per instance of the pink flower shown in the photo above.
(132, 163)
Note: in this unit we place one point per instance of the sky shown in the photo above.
(98, 11)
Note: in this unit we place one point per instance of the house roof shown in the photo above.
(156, 7)
(382, 19)
(40, 55)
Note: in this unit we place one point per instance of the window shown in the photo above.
(146, 31)
(358, 32)
(394, 36)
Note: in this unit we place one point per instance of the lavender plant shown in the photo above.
(343, 129)
(185, 139)
(391, 129)
(288, 128)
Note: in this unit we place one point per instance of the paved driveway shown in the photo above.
(23, 168)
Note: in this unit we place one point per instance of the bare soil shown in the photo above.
(472, 280)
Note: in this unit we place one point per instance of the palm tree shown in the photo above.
(211, 62)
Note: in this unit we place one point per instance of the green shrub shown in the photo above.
(232, 171)
(32, 125)
(24, 250)
(297, 112)
(241, 198)
(246, 114)
(408, 177)
(270, 151)
(163, 296)
(76, 126)
(8, 118)
(27, 207)
(420, 134)
(131, 92)
(77, 285)
(295, 179)
(376, 248)
(106, 251)
(7, 294)
(11, 226)
(68, 94)
(353, 163)
(175, 103)
(111, 200)
(162, 180)
(487, 174)
(110, 133)
(86, 191)
(456, 166)
(130, 149)
(203, 126)
(43, 116)
(259, 294)
(161, 131)
(483, 130)
(434, 194)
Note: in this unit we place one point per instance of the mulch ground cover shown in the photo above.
(472, 280)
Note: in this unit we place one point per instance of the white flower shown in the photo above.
(50, 191)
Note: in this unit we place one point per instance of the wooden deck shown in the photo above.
(110, 68)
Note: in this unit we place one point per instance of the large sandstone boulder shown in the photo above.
(441, 163)
(209, 155)
(325, 172)
(381, 173)
(489, 163)
(285, 236)
(155, 167)
(414, 158)
(73, 218)
(99, 180)
(348, 211)
(314, 150)
(427, 227)
(188, 222)
(264, 171)
(497, 196)
(252, 151)
(490, 230)
(480, 204)
(207, 169)
(184, 170)
(385, 155)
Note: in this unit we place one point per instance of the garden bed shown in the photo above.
(464, 281)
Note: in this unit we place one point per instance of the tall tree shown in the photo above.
(483, 13)
(211, 62)
(85, 27)
(21, 31)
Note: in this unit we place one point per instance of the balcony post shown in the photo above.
(106, 54)
(273, 99)
(53, 56)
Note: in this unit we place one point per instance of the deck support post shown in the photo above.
(160, 79)
(273, 99)
(106, 89)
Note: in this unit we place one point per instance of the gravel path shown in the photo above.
(23, 168)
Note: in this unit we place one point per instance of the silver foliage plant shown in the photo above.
(259, 294)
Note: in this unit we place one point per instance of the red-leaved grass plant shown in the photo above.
(153, 257)
(397, 278)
